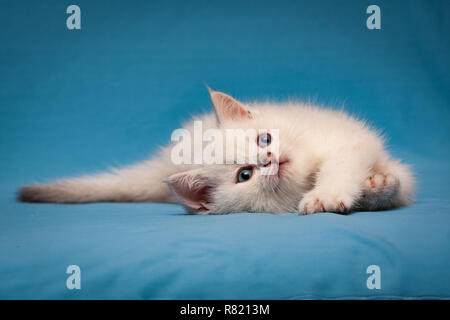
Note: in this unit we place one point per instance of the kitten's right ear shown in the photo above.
(227, 108)
(193, 189)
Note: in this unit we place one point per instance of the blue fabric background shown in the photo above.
(75, 102)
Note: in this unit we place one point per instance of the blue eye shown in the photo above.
(264, 140)
(244, 174)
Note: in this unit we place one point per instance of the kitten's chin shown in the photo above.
(282, 167)
(283, 163)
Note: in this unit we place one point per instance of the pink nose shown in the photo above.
(268, 159)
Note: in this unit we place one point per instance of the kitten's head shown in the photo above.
(265, 179)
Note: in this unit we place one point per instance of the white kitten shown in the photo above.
(327, 161)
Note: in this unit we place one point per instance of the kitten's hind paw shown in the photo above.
(378, 192)
(386, 184)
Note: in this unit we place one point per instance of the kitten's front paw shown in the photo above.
(317, 201)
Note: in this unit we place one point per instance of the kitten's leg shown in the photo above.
(391, 187)
(337, 186)
(379, 190)
(341, 187)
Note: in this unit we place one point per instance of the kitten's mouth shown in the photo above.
(281, 164)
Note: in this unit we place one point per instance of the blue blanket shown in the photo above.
(76, 101)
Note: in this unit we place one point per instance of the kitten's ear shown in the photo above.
(193, 189)
(227, 108)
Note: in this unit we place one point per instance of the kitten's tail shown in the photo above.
(138, 183)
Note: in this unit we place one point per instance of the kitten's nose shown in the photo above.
(267, 159)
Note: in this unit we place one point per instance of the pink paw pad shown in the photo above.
(379, 181)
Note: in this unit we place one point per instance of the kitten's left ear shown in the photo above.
(228, 108)
(193, 189)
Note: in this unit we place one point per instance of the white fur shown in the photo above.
(336, 163)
